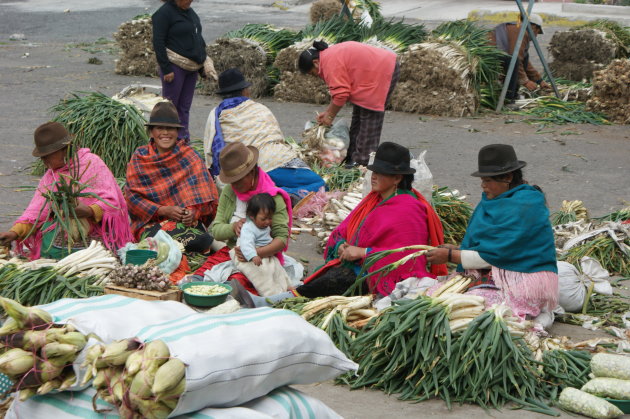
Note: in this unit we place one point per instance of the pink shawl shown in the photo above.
(265, 184)
(396, 222)
(113, 228)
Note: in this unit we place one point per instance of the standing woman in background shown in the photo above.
(362, 74)
(181, 54)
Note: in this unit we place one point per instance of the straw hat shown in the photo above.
(164, 114)
(236, 161)
(497, 159)
(50, 137)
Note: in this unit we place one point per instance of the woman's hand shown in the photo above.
(7, 237)
(189, 217)
(168, 78)
(325, 118)
(237, 225)
(439, 255)
(83, 211)
(351, 253)
(172, 213)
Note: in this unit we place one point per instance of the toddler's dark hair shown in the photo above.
(261, 201)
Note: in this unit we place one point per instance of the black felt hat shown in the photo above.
(392, 159)
(232, 80)
(497, 159)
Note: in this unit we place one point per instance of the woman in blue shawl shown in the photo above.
(509, 245)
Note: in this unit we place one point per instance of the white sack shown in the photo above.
(234, 358)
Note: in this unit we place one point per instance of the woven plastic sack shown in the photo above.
(610, 365)
(612, 388)
(578, 401)
(282, 403)
(571, 289)
(111, 317)
(224, 368)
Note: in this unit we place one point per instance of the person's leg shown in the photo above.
(334, 281)
(369, 135)
(172, 90)
(355, 126)
(392, 84)
(185, 102)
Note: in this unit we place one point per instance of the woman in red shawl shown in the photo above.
(391, 216)
(168, 186)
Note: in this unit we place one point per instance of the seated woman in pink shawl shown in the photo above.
(107, 217)
(391, 216)
(244, 179)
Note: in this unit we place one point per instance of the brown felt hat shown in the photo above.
(236, 161)
(164, 114)
(497, 159)
(50, 137)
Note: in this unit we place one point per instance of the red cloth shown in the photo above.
(358, 73)
(176, 178)
(220, 256)
(378, 225)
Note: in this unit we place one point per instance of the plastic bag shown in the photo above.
(613, 388)
(170, 264)
(594, 272)
(571, 288)
(577, 401)
(422, 179)
(336, 140)
(610, 365)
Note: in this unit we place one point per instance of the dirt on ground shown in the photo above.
(584, 162)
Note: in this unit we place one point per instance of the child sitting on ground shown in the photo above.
(266, 274)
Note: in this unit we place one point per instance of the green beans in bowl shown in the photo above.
(205, 293)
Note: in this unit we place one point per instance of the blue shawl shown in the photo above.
(513, 232)
(218, 142)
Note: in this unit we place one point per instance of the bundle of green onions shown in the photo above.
(549, 110)
(61, 199)
(606, 251)
(45, 285)
(570, 211)
(337, 178)
(395, 35)
(270, 38)
(565, 368)
(110, 129)
(608, 309)
(484, 59)
(453, 211)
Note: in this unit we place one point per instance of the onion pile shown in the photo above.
(149, 278)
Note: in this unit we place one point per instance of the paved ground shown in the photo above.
(573, 162)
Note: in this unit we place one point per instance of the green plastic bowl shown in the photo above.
(623, 405)
(205, 300)
(139, 256)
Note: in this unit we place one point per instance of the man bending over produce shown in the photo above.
(94, 202)
(504, 36)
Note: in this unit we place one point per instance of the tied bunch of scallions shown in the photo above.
(270, 38)
(453, 211)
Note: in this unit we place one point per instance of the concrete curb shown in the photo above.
(597, 9)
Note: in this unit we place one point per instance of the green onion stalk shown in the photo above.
(606, 251)
(373, 258)
(565, 368)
